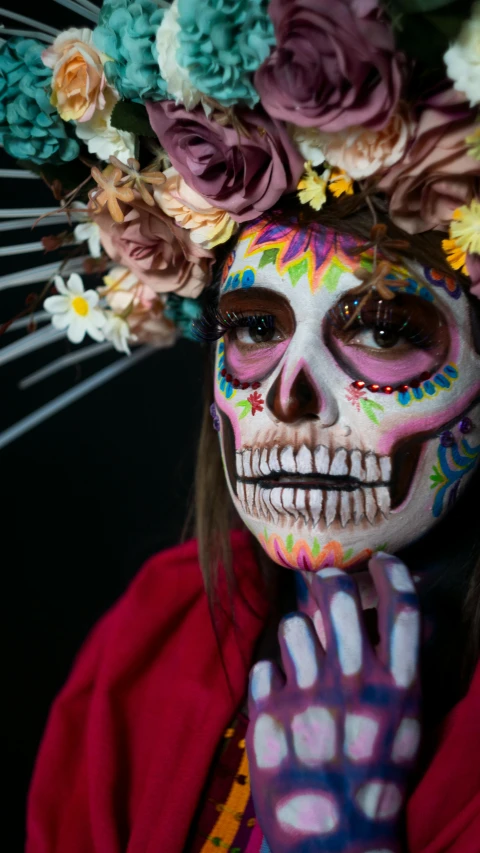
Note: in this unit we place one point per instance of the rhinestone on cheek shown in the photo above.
(447, 439)
(466, 425)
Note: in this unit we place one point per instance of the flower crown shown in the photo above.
(186, 120)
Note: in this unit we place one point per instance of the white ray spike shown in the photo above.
(92, 6)
(18, 173)
(64, 361)
(34, 34)
(80, 10)
(33, 275)
(21, 249)
(23, 322)
(22, 19)
(72, 395)
(20, 212)
(30, 343)
(21, 224)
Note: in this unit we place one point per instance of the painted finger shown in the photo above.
(301, 651)
(265, 680)
(398, 618)
(342, 623)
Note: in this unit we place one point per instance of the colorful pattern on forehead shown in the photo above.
(298, 554)
(314, 251)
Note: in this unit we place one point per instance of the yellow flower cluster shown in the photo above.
(312, 188)
(464, 236)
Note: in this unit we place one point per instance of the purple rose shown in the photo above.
(243, 174)
(334, 65)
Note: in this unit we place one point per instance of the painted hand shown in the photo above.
(331, 745)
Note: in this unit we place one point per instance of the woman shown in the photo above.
(323, 474)
(318, 688)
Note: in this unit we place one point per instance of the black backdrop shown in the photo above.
(86, 496)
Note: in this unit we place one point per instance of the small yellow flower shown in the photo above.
(313, 188)
(473, 142)
(465, 228)
(340, 183)
(456, 257)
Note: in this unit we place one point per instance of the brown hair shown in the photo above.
(215, 515)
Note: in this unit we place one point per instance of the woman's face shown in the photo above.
(322, 467)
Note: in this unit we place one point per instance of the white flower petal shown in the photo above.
(75, 284)
(57, 304)
(176, 77)
(91, 296)
(60, 285)
(77, 329)
(61, 321)
(92, 330)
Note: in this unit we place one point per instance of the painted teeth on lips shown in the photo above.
(356, 466)
(313, 487)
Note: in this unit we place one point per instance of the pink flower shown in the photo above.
(158, 252)
(358, 151)
(142, 308)
(437, 174)
(243, 173)
(334, 65)
(354, 395)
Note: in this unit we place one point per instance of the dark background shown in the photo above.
(86, 496)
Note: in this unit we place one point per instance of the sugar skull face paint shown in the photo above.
(331, 416)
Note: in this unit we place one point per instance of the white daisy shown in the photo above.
(89, 232)
(117, 331)
(463, 58)
(75, 309)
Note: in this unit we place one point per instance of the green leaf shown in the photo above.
(368, 407)
(383, 547)
(247, 408)
(348, 554)
(315, 547)
(437, 478)
(297, 270)
(269, 256)
(289, 543)
(133, 118)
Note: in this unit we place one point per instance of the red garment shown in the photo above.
(130, 738)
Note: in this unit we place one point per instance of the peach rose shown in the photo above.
(159, 253)
(208, 226)
(78, 80)
(143, 308)
(437, 174)
(358, 151)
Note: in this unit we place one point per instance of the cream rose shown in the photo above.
(208, 226)
(360, 152)
(142, 307)
(78, 81)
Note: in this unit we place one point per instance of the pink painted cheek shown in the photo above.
(254, 365)
(387, 371)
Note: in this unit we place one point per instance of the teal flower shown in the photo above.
(183, 311)
(30, 127)
(222, 43)
(126, 34)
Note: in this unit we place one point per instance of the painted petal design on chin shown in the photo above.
(290, 553)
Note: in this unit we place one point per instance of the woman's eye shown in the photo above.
(382, 337)
(258, 333)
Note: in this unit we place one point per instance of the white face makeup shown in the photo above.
(341, 434)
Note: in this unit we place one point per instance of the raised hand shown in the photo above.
(331, 744)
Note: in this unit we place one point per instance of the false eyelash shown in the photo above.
(404, 325)
(214, 323)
